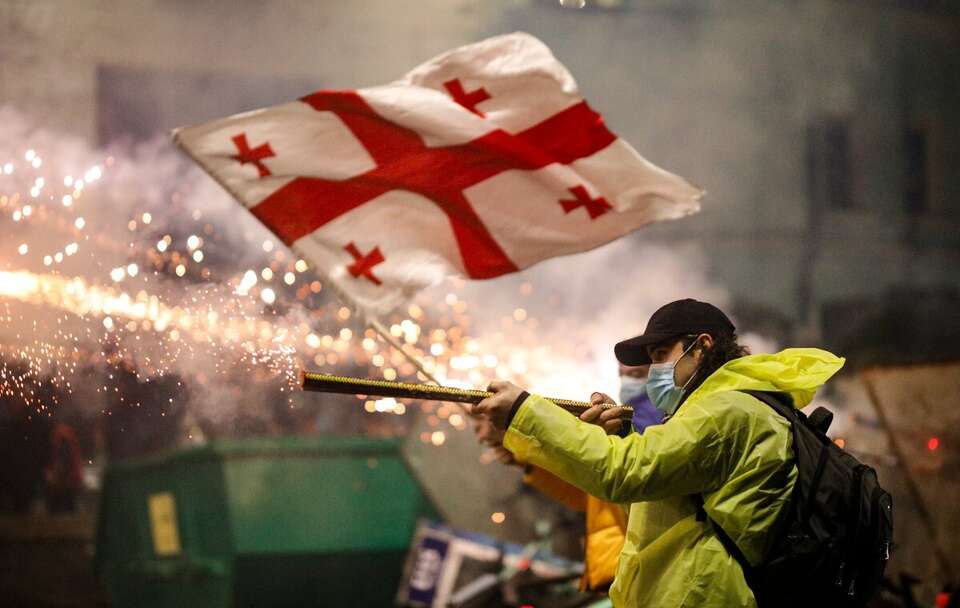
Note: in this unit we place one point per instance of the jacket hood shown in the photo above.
(797, 371)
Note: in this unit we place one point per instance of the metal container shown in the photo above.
(266, 522)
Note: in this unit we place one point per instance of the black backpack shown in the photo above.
(834, 542)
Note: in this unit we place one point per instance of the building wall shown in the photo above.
(724, 93)
(52, 49)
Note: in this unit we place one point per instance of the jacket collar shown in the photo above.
(798, 372)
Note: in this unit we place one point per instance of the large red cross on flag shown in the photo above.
(480, 162)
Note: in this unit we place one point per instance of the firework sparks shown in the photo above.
(157, 281)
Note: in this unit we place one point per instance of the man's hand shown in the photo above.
(492, 437)
(496, 408)
(610, 419)
(505, 456)
(487, 434)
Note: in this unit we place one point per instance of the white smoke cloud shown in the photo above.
(82, 229)
(551, 327)
(583, 304)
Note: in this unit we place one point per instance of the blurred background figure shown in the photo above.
(63, 475)
(24, 453)
(605, 523)
(633, 392)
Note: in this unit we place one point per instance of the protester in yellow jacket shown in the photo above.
(605, 522)
(606, 527)
(719, 446)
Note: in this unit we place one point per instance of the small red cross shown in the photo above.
(255, 156)
(441, 175)
(363, 264)
(467, 100)
(595, 206)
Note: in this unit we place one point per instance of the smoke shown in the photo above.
(581, 305)
(133, 260)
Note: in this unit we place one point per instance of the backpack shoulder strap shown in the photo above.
(780, 402)
(783, 405)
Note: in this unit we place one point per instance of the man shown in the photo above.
(722, 458)
(633, 392)
(64, 471)
(606, 523)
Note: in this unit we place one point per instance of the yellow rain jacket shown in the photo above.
(722, 444)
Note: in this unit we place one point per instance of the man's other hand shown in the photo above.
(493, 438)
(487, 434)
(496, 408)
(505, 456)
(610, 419)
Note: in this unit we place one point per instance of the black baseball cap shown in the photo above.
(674, 320)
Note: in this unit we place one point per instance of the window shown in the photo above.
(829, 164)
(916, 182)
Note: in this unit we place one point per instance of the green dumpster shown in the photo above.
(267, 522)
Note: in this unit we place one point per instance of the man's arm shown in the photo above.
(604, 414)
(683, 456)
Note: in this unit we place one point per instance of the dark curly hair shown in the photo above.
(725, 348)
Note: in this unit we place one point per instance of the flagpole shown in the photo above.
(378, 327)
(372, 323)
(384, 333)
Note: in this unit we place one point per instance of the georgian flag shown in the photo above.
(480, 162)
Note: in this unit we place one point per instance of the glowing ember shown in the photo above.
(160, 285)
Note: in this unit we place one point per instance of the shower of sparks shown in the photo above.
(65, 309)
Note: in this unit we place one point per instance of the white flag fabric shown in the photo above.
(480, 162)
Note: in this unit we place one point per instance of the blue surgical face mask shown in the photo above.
(662, 387)
(631, 388)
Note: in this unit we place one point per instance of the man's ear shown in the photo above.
(705, 342)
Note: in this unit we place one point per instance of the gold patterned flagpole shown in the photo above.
(384, 333)
(372, 323)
